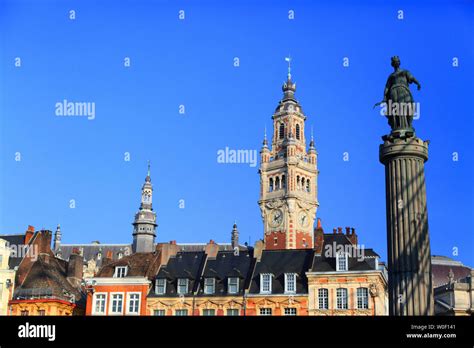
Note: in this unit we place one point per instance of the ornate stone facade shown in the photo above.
(288, 178)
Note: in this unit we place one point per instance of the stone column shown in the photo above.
(409, 256)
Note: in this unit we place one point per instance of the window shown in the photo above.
(159, 312)
(265, 311)
(341, 298)
(208, 312)
(232, 312)
(233, 285)
(282, 131)
(341, 262)
(99, 303)
(134, 303)
(298, 132)
(181, 312)
(290, 311)
(270, 189)
(362, 298)
(277, 183)
(323, 298)
(283, 182)
(308, 185)
(160, 286)
(290, 283)
(182, 286)
(209, 286)
(117, 304)
(24, 313)
(120, 271)
(265, 283)
(41, 312)
(298, 183)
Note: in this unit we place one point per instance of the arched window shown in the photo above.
(303, 186)
(283, 181)
(282, 131)
(277, 183)
(298, 184)
(298, 132)
(271, 185)
(308, 186)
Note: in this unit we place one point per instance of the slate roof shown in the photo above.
(90, 251)
(139, 265)
(187, 265)
(48, 278)
(202, 246)
(225, 265)
(321, 263)
(279, 262)
(14, 240)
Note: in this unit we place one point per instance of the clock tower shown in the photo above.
(288, 178)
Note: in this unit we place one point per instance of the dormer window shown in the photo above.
(160, 286)
(120, 271)
(341, 262)
(233, 285)
(209, 286)
(290, 283)
(265, 283)
(182, 286)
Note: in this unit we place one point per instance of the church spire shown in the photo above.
(235, 236)
(145, 219)
(57, 238)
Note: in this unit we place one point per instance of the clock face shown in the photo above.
(303, 219)
(276, 218)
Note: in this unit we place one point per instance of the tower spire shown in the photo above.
(57, 238)
(288, 59)
(235, 236)
(145, 220)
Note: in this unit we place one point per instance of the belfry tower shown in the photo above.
(288, 177)
(145, 225)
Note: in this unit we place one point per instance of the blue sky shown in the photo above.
(190, 62)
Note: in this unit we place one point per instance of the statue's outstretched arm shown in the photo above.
(412, 79)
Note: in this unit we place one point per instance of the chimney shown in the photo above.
(29, 234)
(108, 258)
(167, 250)
(44, 243)
(318, 238)
(339, 230)
(211, 249)
(334, 230)
(258, 249)
(75, 268)
(352, 236)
